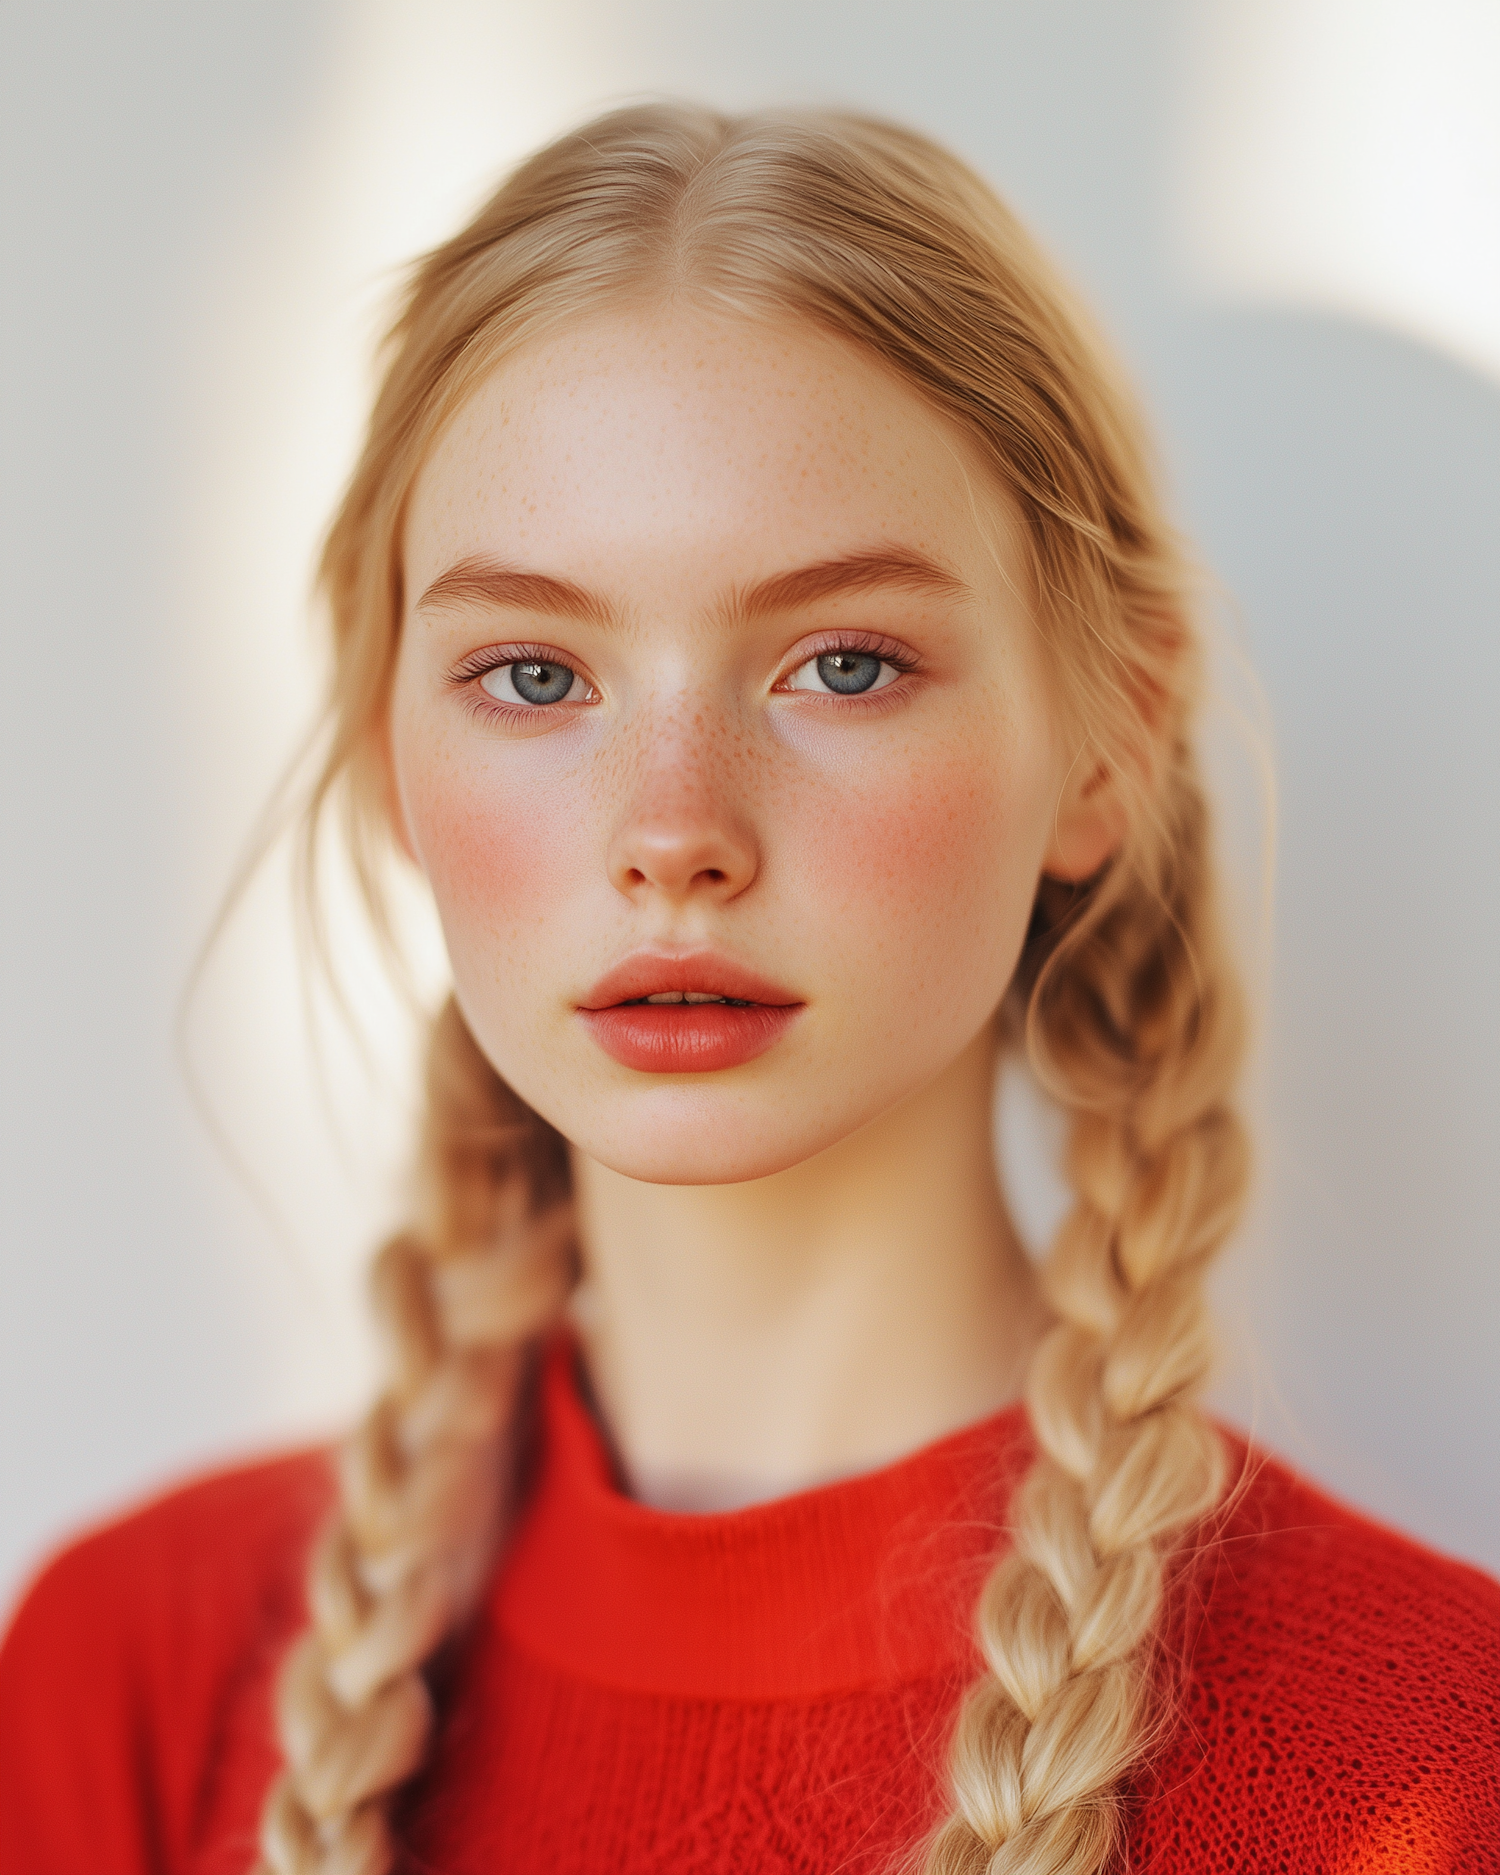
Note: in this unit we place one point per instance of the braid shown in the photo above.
(1133, 1020)
(423, 1481)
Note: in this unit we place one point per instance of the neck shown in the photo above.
(746, 1341)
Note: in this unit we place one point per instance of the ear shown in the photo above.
(1089, 825)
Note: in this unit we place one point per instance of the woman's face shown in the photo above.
(718, 683)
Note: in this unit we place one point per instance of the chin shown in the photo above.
(667, 1139)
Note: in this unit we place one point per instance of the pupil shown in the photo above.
(541, 683)
(848, 672)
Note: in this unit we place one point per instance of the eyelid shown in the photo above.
(476, 664)
(872, 644)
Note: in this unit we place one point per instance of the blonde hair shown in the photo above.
(1125, 998)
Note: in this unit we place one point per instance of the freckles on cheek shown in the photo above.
(935, 858)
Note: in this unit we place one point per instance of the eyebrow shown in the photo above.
(898, 567)
(478, 581)
(486, 582)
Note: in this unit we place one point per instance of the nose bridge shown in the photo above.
(684, 822)
(683, 749)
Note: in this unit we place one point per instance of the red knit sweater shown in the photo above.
(768, 1690)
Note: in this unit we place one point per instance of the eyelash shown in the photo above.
(867, 644)
(465, 675)
(467, 672)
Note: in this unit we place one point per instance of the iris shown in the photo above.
(541, 683)
(848, 672)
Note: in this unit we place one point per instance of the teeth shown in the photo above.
(684, 996)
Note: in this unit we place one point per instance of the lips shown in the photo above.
(686, 1014)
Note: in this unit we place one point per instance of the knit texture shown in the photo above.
(769, 1690)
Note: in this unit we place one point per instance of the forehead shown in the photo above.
(652, 446)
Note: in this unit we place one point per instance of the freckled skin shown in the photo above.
(877, 857)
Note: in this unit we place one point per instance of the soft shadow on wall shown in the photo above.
(1346, 483)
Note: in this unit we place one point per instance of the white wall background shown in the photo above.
(1289, 213)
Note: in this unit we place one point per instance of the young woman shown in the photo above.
(755, 619)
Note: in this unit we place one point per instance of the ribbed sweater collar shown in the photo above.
(867, 1582)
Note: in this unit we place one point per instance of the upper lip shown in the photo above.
(654, 973)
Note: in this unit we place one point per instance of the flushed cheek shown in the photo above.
(921, 880)
(506, 856)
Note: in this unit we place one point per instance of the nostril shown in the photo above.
(671, 859)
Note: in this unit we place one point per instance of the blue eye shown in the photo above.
(849, 672)
(535, 681)
(843, 673)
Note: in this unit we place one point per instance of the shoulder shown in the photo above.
(126, 1653)
(171, 1573)
(1337, 1688)
(1309, 1573)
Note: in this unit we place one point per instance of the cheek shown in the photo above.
(504, 850)
(928, 867)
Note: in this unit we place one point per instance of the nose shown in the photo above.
(684, 833)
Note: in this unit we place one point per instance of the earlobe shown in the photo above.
(1088, 828)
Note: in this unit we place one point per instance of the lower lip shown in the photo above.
(688, 1038)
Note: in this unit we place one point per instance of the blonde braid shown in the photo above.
(423, 1483)
(1135, 1022)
